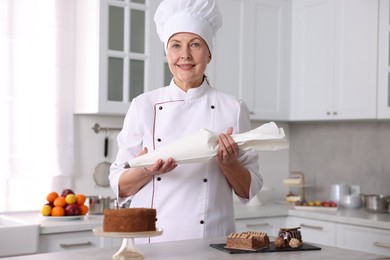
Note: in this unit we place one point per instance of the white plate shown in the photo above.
(99, 232)
(316, 208)
(63, 218)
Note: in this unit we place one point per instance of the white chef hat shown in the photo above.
(200, 17)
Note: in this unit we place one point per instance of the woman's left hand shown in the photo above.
(228, 149)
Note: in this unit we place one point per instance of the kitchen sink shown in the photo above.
(17, 237)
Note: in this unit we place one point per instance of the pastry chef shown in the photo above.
(192, 200)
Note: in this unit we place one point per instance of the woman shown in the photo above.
(192, 200)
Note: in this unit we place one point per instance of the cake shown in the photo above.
(249, 240)
(129, 220)
(289, 237)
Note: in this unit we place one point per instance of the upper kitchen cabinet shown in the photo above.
(265, 63)
(334, 59)
(115, 52)
(384, 60)
(251, 55)
(224, 70)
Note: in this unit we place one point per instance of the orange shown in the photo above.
(80, 199)
(83, 209)
(51, 196)
(60, 202)
(58, 211)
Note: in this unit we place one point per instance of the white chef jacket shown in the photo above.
(194, 200)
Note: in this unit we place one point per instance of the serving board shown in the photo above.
(272, 248)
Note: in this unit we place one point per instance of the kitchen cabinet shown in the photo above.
(334, 59)
(224, 70)
(56, 242)
(269, 225)
(254, 66)
(384, 60)
(315, 231)
(365, 239)
(115, 54)
(265, 82)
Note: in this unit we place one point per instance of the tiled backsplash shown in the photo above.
(341, 152)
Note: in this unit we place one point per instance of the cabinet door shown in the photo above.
(370, 240)
(356, 59)
(224, 69)
(315, 231)
(115, 54)
(334, 59)
(384, 60)
(265, 63)
(313, 49)
(269, 225)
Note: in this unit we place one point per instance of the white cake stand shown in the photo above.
(126, 252)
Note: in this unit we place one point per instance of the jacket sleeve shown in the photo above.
(250, 158)
(129, 145)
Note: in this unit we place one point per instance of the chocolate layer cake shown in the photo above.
(248, 240)
(129, 220)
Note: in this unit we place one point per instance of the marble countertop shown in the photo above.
(200, 249)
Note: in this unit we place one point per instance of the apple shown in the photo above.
(51, 204)
(72, 210)
(66, 192)
(325, 204)
(332, 204)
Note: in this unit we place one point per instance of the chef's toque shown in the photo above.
(200, 17)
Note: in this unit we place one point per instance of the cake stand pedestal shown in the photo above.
(127, 252)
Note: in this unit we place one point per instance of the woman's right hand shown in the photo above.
(160, 166)
(133, 179)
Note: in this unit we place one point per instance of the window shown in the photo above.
(36, 101)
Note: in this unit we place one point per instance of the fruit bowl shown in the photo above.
(316, 208)
(63, 218)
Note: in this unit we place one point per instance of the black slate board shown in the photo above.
(272, 248)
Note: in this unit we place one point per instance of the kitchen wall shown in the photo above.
(341, 152)
(89, 148)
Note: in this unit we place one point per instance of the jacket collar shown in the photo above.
(193, 93)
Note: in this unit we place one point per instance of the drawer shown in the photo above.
(365, 239)
(68, 241)
(269, 225)
(315, 231)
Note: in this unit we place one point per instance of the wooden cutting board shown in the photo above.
(272, 248)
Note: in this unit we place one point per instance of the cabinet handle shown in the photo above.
(335, 113)
(328, 113)
(257, 225)
(76, 244)
(380, 244)
(312, 227)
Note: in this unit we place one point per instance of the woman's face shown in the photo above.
(188, 56)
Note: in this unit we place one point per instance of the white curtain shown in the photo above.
(36, 101)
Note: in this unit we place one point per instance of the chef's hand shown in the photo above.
(160, 166)
(228, 149)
